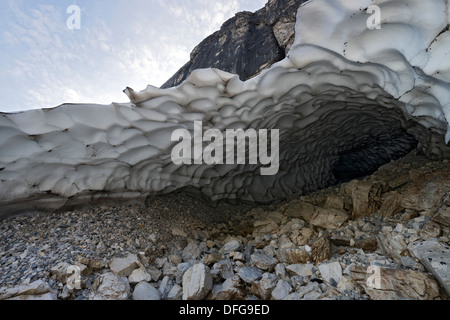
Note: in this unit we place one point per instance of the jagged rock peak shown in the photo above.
(247, 43)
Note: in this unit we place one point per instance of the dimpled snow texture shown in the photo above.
(346, 99)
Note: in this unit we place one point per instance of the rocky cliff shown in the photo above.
(247, 43)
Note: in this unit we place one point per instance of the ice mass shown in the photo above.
(346, 100)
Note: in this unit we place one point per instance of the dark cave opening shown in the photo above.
(375, 152)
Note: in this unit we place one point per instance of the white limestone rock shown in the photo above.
(281, 290)
(37, 290)
(303, 270)
(123, 267)
(109, 286)
(231, 246)
(139, 275)
(264, 287)
(176, 293)
(197, 282)
(435, 256)
(263, 261)
(145, 291)
(331, 273)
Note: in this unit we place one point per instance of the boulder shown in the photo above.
(110, 286)
(154, 273)
(197, 282)
(443, 217)
(60, 272)
(223, 269)
(164, 287)
(347, 284)
(281, 290)
(93, 264)
(40, 297)
(334, 202)
(231, 289)
(250, 274)
(263, 261)
(37, 290)
(431, 230)
(293, 225)
(123, 267)
(300, 209)
(139, 275)
(212, 258)
(280, 271)
(365, 198)
(292, 296)
(331, 273)
(176, 293)
(293, 255)
(176, 232)
(302, 270)
(328, 219)
(145, 291)
(427, 196)
(391, 205)
(191, 251)
(308, 289)
(321, 250)
(262, 227)
(230, 246)
(264, 287)
(395, 284)
(435, 256)
(369, 244)
(393, 245)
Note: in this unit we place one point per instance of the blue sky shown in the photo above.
(120, 43)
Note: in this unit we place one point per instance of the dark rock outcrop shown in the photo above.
(247, 43)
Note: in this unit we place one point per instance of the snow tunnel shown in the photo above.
(346, 100)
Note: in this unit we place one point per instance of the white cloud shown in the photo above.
(204, 16)
(131, 43)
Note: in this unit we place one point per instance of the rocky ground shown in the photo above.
(382, 237)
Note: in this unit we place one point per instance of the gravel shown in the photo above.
(31, 244)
